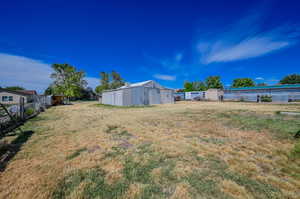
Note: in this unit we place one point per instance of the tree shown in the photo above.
(117, 80)
(213, 82)
(199, 86)
(15, 88)
(243, 82)
(291, 79)
(49, 90)
(188, 86)
(67, 80)
(104, 83)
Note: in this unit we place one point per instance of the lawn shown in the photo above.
(183, 150)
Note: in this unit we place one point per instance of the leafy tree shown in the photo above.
(104, 83)
(87, 93)
(49, 90)
(213, 82)
(291, 79)
(199, 86)
(117, 80)
(67, 80)
(243, 82)
(15, 88)
(188, 86)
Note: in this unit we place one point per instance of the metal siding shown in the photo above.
(167, 96)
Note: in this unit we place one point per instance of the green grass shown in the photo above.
(138, 167)
(296, 150)
(281, 126)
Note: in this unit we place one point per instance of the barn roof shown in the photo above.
(138, 84)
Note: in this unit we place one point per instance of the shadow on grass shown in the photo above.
(8, 151)
(121, 107)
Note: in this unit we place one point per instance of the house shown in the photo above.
(276, 93)
(210, 94)
(13, 97)
(142, 93)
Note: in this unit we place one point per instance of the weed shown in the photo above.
(258, 189)
(110, 128)
(76, 153)
(296, 150)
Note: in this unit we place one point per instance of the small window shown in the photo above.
(7, 98)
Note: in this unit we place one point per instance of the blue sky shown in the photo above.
(168, 41)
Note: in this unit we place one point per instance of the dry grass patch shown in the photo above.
(183, 150)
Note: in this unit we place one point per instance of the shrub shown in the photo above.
(266, 98)
(29, 111)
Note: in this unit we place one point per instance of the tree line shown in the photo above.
(215, 82)
(71, 83)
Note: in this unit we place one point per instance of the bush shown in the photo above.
(296, 150)
(266, 98)
(29, 111)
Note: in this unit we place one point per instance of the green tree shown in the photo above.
(188, 86)
(117, 80)
(213, 82)
(49, 90)
(198, 86)
(15, 88)
(67, 80)
(291, 79)
(243, 82)
(104, 83)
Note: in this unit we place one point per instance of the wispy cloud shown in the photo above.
(28, 73)
(165, 77)
(259, 78)
(246, 39)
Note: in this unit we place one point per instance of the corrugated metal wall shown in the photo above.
(141, 95)
(167, 96)
(251, 96)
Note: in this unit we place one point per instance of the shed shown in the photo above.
(277, 93)
(142, 93)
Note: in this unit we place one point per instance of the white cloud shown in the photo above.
(28, 73)
(245, 40)
(93, 82)
(165, 77)
(259, 78)
(24, 72)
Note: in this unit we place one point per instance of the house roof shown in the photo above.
(29, 92)
(144, 83)
(137, 84)
(14, 92)
(286, 86)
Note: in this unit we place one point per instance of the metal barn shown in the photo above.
(278, 93)
(142, 93)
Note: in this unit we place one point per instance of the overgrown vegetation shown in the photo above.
(280, 125)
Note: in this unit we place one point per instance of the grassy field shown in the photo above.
(183, 150)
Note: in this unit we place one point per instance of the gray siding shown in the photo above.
(146, 94)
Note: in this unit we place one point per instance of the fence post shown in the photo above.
(22, 109)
